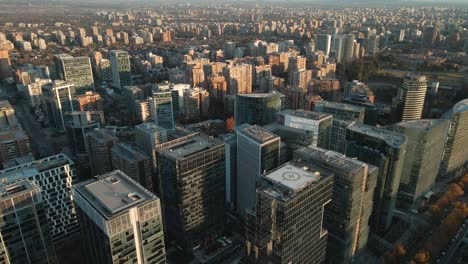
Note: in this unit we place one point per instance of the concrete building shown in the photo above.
(147, 137)
(133, 163)
(238, 79)
(346, 217)
(257, 109)
(426, 140)
(197, 203)
(78, 124)
(90, 101)
(54, 175)
(456, 148)
(196, 103)
(14, 143)
(348, 47)
(24, 231)
(324, 43)
(120, 221)
(386, 150)
(59, 98)
(409, 102)
(162, 111)
(121, 70)
(288, 224)
(258, 151)
(76, 70)
(99, 143)
(320, 124)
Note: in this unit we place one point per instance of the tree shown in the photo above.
(422, 257)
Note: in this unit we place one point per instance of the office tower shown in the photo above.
(456, 148)
(373, 44)
(55, 175)
(238, 78)
(258, 151)
(230, 150)
(337, 47)
(370, 116)
(59, 98)
(357, 89)
(287, 225)
(99, 143)
(324, 43)
(133, 163)
(386, 150)
(426, 139)
(143, 110)
(77, 125)
(320, 124)
(294, 138)
(401, 35)
(105, 70)
(5, 64)
(7, 115)
(90, 101)
(348, 47)
(76, 70)
(162, 110)
(229, 49)
(121, 70)
(197, 203)
(196, 103)
(257, 109)
(347, 216)
(148, 136)
(344, 115)
(121, 222)
(430, 35)
(409, 102)
(24, 231)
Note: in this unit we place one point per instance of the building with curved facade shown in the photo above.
(410, 98)
(257, 109)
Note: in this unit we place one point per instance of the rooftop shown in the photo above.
(461, 106)
(5, 105)
(149, 127)
(423, 124)
(292, 177)
(257, 133)
(128, 152)
(113, 192)
(259, 95)
(278, 127)
(102, 135)
(343, 106)
(305, 114)
(391, 138)
(190, 146)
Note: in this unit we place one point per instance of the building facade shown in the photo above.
(76, 70)
(257, 109)
(121, 69)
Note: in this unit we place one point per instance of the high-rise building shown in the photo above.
(55, 175)
(148, 136)
(162, 109)
(320, 124)
(77, 125)
(456, 148)
(239, 79)
(344, 115)
(24, 231)
(75, 70)
(196, 103)
(197, 203)
(257, 109)
(89, 101)
(229, 49)
(426, 139)
(386, 150)
(121, 70)
(258, 151)
(300, 78)
(347, 216)
(99, 143)
(133, 163)
(288, 225)
(14, 143)
(337, 46)
(348, 47)
(5, 64)
(409, 102)
(59, 98)
(121, 222)
(372, 46)
(430, 35)
(105, 70)
(324, 43)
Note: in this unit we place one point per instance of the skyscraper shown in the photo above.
(337, 46)
(430, 35)
(59, 98)
(78, 124)
(257, 109)
(75, 70)
(238, 79)
(121, 70)
(386, 150)
(162, 109)
(99, 144)
(347, 216)
(24, 231)
(148, 136)
(456, 148)
(324, 43)
(426, 139)
(320, 124)
(133, 163)
(121, 222)
(348, 47)
(287, 225)
(197, 202)
(409, 102)
(258, 151)
(55, 175)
